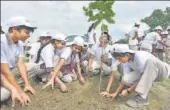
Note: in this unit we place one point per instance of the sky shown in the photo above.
(68, 16)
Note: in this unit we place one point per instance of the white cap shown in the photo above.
(78, 41)
(164, 33)
(137, 23)
(122, 48)
(45, 34)
(158, 28)
(19, 20)
(168, 28)
(59, 36)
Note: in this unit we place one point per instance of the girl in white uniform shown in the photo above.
(67, 61)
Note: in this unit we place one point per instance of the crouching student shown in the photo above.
(68, 60)
(98, 52)
(146, 69)
(12, 64)
(7, 90)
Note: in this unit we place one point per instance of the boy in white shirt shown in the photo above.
(146, 69)
(133, 35)
(98, 52)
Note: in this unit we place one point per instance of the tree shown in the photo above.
(158, 17)
(123, 41)
(100, 12)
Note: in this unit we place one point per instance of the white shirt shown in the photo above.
(149, 40)
(10, 51)
(91, 38)
(96, 51)
(47, 55)
(132, 34)
(168, 40)
(66, 53)
(33, 51)
(139, 61)
(159, 45)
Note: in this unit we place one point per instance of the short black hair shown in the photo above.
(20, 27)
(107, 34)
(116, 54)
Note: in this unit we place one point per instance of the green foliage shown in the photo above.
(123, 41)
(158, 17)
(100, 11)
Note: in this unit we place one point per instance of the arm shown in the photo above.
(163, 43)
(111, 80)
(57, 69)
(132, 88)
(9, 75)
(135, 36)
(22, 70)
(94, 37)
(90, 62)
(6, 83)
(120, 86)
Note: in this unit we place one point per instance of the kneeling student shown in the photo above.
(68, 60)
(146, 69)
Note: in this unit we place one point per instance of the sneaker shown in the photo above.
(137, 101)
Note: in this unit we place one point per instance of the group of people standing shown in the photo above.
(54, 62)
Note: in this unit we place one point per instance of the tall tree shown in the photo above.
(158, 17)
(100, 12)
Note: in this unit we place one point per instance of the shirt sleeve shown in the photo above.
(66, 53)
(3, 55)
(47, 56)
(115, 64)
(77, 59)
(92, 51)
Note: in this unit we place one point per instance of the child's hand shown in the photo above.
(124, 93)
(113, 95)
(51, 82)
(105, 93)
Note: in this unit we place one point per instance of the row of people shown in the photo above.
(57, 63)
(156, 42)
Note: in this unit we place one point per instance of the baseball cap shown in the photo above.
(158, 28)
(78, 41)
(45, 34)
(19, 21)
(122, 48)
(59, 36)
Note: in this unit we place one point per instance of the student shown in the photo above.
(159, 43)
(91, 34)
(98, 52)
(68, 60)
(133, 35)
(19, 30)
(35, 47)
(146, 70)
(168, 46)
(8, 89)
(84, 56)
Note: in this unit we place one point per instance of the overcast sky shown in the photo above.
(68, 16)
